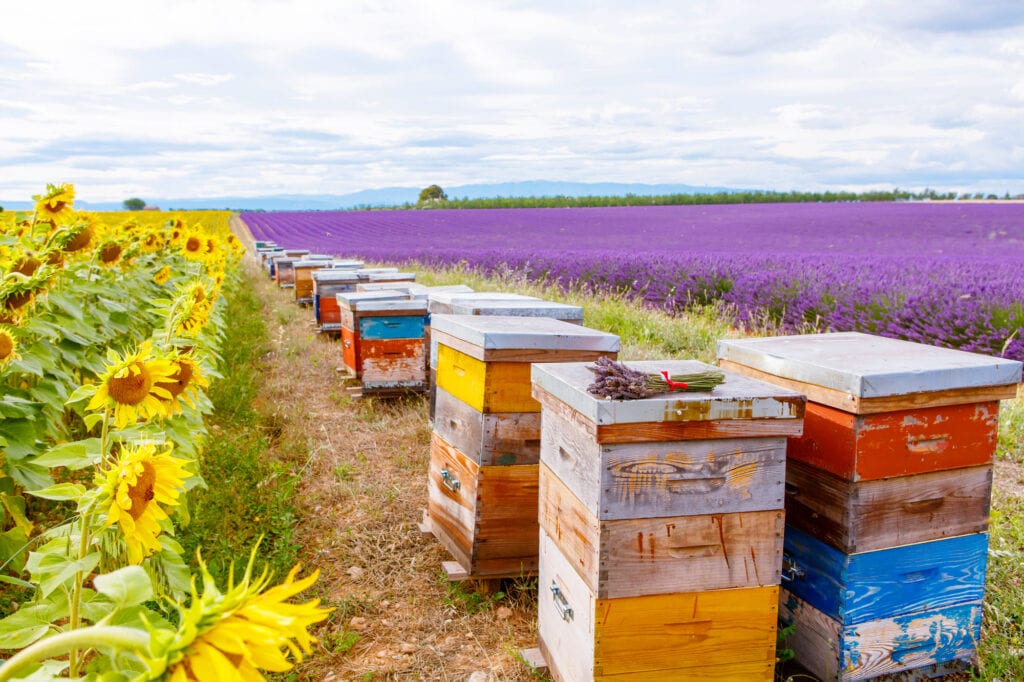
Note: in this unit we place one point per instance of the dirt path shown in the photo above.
(363, 488)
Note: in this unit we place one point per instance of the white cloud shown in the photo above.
(268, 96)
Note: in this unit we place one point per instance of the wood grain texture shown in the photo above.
(393, 363)
(723, 635)
(646, 556)
(916, 646)
(874, 446)
(504, 438)
(486, 386)
(858, 405)
(868, 515)
(680, 478)
(452, 513)
(350, 350)
(854, 588)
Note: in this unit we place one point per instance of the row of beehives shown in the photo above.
(656, 526)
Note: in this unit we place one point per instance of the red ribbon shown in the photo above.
(673, 385)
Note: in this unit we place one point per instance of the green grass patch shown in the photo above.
(248, 493)
(1002, 644)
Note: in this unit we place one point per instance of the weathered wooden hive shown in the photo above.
(327, 284)
(516, 308)
(661, 525)
(482, 488)
(887, 498)
(303, 277)
(268, 261)
(284, 271)
(382, 339)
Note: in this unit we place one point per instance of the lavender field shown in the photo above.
(950, 274)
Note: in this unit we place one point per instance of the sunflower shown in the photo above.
(109, 253)
(55, 203)
(185, 384)
(131, 386)
(193, 246)
(8, 346)
(193, 316)
(138, 482)
(163, 275)
(230, 636)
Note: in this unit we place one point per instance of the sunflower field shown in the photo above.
(110, 326)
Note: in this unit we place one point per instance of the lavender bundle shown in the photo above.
(615, 381)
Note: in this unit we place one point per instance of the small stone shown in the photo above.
(382, 653)
(355, 572)
(357, 623)
(407, 647)
(480, 676)
(503, 613)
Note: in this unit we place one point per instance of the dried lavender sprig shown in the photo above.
(616, 381)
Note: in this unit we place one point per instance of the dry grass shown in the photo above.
(363, 489)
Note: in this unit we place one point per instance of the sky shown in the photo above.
(258, 97)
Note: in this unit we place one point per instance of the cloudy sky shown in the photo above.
(254, 97)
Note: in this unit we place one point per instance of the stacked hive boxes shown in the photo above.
(382, 340)
(327, 284)
(303, 277)
(482, 489)
(661, 527)
(887, 498)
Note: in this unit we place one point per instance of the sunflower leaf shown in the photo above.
(59, 492)
(126, 586)
(76, 455)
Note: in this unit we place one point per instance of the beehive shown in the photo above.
(327, 284)
(661, 520)
(268, 261)
(303, 277)
(887, 498)
(482, 488)
(382, 339)
(284, 271)
(516, 308)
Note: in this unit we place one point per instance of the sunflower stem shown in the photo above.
(84, 539)
(120, 638)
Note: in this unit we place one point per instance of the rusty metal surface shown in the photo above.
(739, 397)
(869, 366)
(500, 332)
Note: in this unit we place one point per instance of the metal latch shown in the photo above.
(449, 481)
(561, 603)
(790, 569)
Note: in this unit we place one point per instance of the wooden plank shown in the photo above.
(452, 498)
(519, 354)
(636, 557)
(533, 659)
(506, 519)
(859, 405)
(393, 363)
(855, 588)
(869, 447)
(391, 327)
(350, 350)
(487, 387)
(679, 478)
(654, 432)
(916, 646)
(739, 397)
(867, 515)
(565, 619)
(695, 631)
(505, 438)
(868, 366)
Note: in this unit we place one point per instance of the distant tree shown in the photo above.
(134, 204)
(432, 193)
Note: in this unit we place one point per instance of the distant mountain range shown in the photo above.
(396, 196)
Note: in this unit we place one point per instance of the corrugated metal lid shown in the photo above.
(499, 332)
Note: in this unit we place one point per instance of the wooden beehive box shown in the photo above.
(482, 488)
(540, 308)
(284, 271)
(348, 264)
(364, 273)
(268, 261)
(382, 335)
(441, 301)
(304, 270)
(296, 253)
(676, 498)
(327, 284)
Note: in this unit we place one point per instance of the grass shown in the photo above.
(363, 487)
(249, 490)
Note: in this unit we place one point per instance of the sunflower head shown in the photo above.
(193, 246)
(138, 485)
(109, 253)
(186, 382)
(240, 631)
(163, 275)
(8, 345)
(130, 386)
(55, 203)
